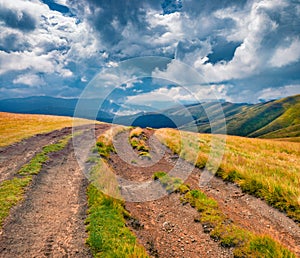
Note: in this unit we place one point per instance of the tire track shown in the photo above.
(50, 221)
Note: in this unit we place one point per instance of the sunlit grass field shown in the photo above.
(267, 169)
(16, 127)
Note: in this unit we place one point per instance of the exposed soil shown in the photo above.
(50, 220)
(169, 229)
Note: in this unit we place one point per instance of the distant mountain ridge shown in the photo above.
(272, 119)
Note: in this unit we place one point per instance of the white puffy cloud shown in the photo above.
(17, 61)
(179, 94)
(56, 41)
(286, 55)
(252, 55)
(29, 79)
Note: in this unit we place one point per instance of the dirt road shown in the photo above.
(50, 221)
(14, 156)
(185, 237)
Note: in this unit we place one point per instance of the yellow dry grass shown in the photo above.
(268, 169)
(16, 127)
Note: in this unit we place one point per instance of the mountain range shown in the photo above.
(273, 119)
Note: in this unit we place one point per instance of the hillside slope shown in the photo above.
(273, 119)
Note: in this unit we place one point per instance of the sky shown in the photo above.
(245, 51)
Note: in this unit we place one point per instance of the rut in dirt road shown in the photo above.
(14, 156)
(169, 227)
(50, 221)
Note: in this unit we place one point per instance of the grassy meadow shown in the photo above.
(16, 127)
(267, 169)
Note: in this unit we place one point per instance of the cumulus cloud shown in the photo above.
(249, 45)
(286, 55)
(29, 79)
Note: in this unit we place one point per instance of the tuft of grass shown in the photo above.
(104, 145)
(104, 150)
(137, 140)
(170, 183)
(159, 174)
(108, 234)
(145, 154)
(136, 132)
(267, 169)
(263, 246)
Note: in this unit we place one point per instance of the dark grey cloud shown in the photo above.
(110, 18)
(21, 20)
(196, 8)
(11, 42)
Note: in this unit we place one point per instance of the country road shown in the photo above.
(50, 221)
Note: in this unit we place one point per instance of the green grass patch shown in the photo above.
(34, 166)
(11, 192)
(108, 235)
(170, 183)
(106, 225)
(104, 150)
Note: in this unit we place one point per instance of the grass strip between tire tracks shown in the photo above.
(12, 190)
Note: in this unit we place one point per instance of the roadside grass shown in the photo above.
(16, 127)
(137, 140)
(104, 144)
(220, 227)
(136, 132)
(108, 235)
(12, 190)
(267, 169)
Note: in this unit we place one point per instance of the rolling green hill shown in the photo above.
(273, 119)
